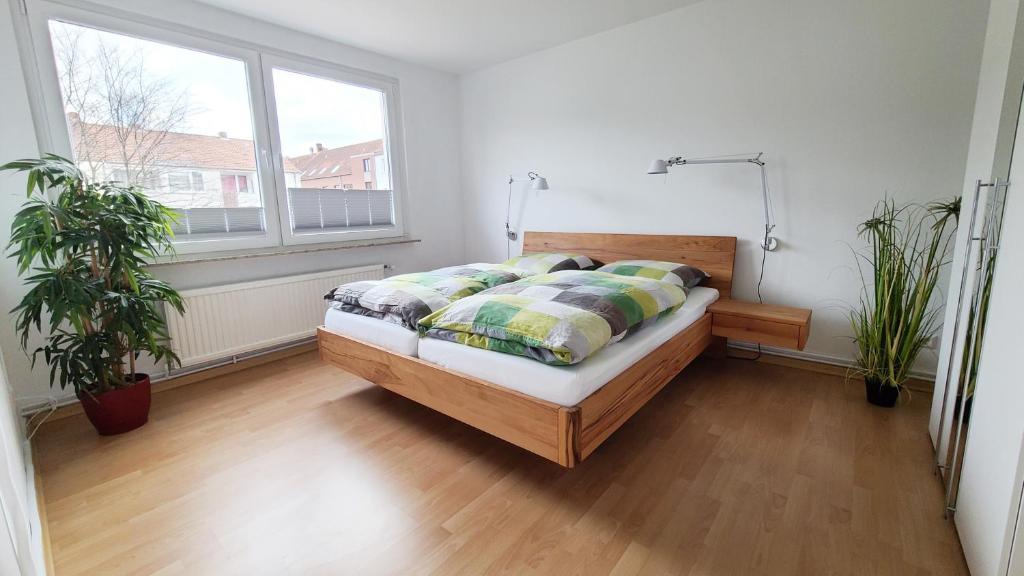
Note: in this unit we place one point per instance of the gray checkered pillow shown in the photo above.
(545, 262)
(681, 275)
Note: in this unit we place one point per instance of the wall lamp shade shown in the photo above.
(658, 166)
(539, 183)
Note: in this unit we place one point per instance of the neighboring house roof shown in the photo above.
(329, 162)
(175, 148)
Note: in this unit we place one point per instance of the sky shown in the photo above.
(310, 109)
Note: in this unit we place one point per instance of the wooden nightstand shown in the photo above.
(760, 323)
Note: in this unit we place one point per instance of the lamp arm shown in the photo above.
(508, 211)
(682, 161)
(529, 176)
(770, 243)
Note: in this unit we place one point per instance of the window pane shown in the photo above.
(174, 121)
(333, 139)
(176, 182)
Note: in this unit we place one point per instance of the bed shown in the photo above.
(597, 397)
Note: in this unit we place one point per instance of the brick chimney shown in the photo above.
(319, 147)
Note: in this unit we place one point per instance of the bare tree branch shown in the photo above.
(123, 113)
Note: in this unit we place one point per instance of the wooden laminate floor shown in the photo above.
(297, 467)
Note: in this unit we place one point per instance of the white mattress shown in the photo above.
(566, 385)
(373, 331)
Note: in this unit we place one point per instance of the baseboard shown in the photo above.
(824, 364)
(71, 407)
(819, 363)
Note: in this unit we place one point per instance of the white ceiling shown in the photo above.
(453, 35)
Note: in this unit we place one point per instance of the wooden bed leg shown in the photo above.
(568, 436)
(718, 347)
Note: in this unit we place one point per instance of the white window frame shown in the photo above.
(392, 143)
(52, 129)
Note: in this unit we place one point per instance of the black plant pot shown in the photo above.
(880, 394)
(966, 404)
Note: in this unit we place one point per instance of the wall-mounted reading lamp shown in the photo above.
(537, 182)
(769, 243)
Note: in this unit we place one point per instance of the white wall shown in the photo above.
(16, 139)
(430, 120)
(849, 100)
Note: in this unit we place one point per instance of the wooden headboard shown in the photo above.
(712, 254)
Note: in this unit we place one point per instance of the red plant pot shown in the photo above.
(120, 410)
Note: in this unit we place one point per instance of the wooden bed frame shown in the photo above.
(565, 435)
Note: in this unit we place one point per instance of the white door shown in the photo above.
(17, 553)
(8, 555)
(987, 506)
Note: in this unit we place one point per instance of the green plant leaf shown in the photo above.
(907, 247)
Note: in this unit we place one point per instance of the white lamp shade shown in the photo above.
(658, 166)
(539, 183)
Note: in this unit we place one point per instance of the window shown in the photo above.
(193, 120)
(178, 182)
(148, 110)
(235, 184)
(351, 123)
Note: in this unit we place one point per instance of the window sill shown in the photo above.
(281, 251)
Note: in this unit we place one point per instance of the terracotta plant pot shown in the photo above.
(879, 394)
(121, 410)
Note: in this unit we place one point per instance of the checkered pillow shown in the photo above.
(406, 298)
(682, 275)
(545, 262)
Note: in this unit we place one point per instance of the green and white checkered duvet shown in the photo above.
(559, 318)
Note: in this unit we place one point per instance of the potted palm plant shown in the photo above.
(82, 248)
(908, 247)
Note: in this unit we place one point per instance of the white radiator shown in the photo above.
(222, 321)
